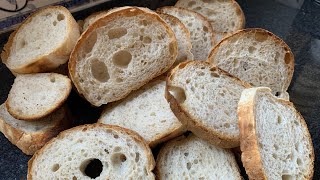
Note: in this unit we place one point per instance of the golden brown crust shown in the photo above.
(192, 123)
(134, 135)
(49, 61)
(289, 59)
(126, 12)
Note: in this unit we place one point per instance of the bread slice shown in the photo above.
(119, 53)
(224, 16)
(193, 158)
(118, 153)
(275, 141)
(205, 99)
(31, 136)
(258, 57)
(42, 42)
(147, 112)
(201, 32)
(34, 96)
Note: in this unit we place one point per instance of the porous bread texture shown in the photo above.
(183, 37)
(193, 158)
(30, 136)
(201, 33)
(34, 96)
(275, 141)
(123, 154)
(258, 57)
(225, 16)
(42, 42)
(120, 53)
(205, 99)
(146, 112)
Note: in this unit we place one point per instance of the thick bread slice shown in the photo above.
(225, 16)
(147, 112)
(201, 33)
(258, 57)
(275, 141)
(122, 154)
(34, 96)
(193, 158)
(119, 53)
(31, 136)
(205, 99)
(42, 42)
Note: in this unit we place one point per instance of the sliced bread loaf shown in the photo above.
(201, 33)
(118, 54)
(112, 152)
(147, 112)
(275, 141)
(258, 57)
(205, 99)
(34, 96)
(193, 158)
(42, 42)
(31, 136)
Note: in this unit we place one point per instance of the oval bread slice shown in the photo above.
(205, 99)
(258, 57)
(122, 153)
(119, 53)
(275, 141)
(34, 96)
(193, 158)
(42, 42)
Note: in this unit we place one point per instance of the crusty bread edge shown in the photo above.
(191, 122)
(136, 137)
(46, 62)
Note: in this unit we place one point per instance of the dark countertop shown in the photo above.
(298, 27)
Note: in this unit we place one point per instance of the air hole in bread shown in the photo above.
(226, 125)
(211, 12)
(163, 121)
(251, 49)
(205, 28)
(122, 58)
(191, 3)
(117, 33)
(99, 70)
(260, 37)
(200, 73)
(137, 158)
(275, 156)
(299, 161)
(147, 40)
(145, 22)
(279, 119)
(287, 177)
(276, 147)
(119, 80)
(52, 79)
(186, 154)
(178, 93)
(277, 94)
(116, 136)
(188, 81)
(197, 8)
(74, 178)
(91, 168)
(54, 23)
(161, 37)
(245, 66)
(55, 167)
(214, 74)
(189, 165)
(84, 129)
(287, 58)
(117, 149)
(118, 159)
(60, 17)
(23, 43)
(106, 151)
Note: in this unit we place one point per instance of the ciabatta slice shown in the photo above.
(193, 158)
(205, 99)
(275, 141)
(34, 96)
(42, 42)
(118, 153)
(258, 57)
(120, 53)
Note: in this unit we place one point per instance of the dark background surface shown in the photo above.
(299, 28)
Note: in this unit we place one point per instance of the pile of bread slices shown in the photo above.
(188, 75)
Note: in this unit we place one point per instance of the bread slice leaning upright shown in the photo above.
(120, 53)
(30, 136)
(275, 141)
(34, 96)
(205, 99)
(110, 152)
(193, 158)
(42, 42)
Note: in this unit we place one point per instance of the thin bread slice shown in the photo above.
(193, 158)
(225, 16)
(31, 136)
(258, 57)
(118, 153)
(119, 53)
(205, 99)
(201, 32)
(43, 41)
(34, 96)
(275, 141)
(147, 112)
